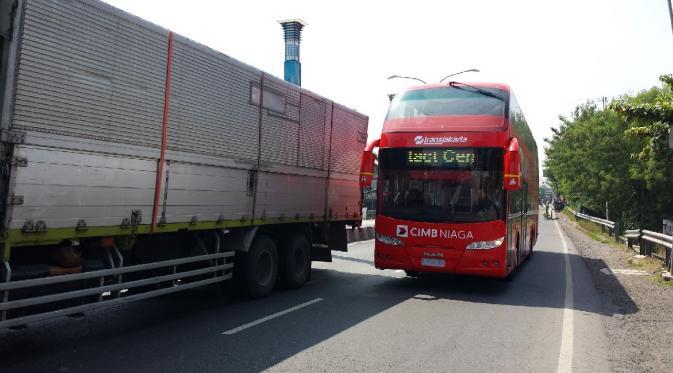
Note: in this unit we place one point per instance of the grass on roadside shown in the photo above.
(648, 264)
(593, 230)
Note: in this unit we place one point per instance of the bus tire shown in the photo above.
(256, 271)
(295, 261)
(510, 275)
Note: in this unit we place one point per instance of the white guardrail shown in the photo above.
(647, 240)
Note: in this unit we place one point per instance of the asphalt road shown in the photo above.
(350, 317)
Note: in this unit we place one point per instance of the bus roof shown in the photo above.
(500, 86)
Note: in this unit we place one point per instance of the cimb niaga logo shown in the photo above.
(404, 231)
(425, 140)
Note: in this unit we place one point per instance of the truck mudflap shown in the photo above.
(337, 236)
(26, 301)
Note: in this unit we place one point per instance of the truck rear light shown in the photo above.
(485, 245)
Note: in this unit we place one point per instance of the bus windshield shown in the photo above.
(443, 101)
(441, 184)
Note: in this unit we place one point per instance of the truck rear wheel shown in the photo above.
(256, 271)
(295, 261)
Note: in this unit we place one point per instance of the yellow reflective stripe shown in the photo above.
(512, 175)
(366, 173)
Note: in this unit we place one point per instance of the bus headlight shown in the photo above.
(485, 245)
(389, 240)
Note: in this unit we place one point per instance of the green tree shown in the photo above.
(587, 158)
(651, 116)
(618, 155)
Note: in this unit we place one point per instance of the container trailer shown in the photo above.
(137, 162)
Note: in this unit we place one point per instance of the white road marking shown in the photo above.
(621, 271)
(565, 359)
(358, 242)
(270, 317)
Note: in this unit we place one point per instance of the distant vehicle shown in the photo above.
(559, 205)
(137, 162)
(457, 182)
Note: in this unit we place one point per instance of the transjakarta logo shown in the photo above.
(425, 140)
(404, 231)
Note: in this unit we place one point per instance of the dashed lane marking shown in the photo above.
(270, 317)
(360, 242)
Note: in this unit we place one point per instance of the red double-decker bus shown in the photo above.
(457, 186)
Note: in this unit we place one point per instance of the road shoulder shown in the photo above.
(636, 311)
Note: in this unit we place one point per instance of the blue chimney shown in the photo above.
(292, 33)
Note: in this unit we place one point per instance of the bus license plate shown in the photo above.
(433, 262)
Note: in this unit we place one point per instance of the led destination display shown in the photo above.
(462, 158)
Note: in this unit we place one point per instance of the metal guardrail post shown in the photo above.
(642, 244)
(670, 257)
(7, 272)
(616, 231)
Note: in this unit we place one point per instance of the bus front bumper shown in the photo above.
(488, 263)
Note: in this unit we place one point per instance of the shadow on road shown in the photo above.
(540, 282)
(183, 331)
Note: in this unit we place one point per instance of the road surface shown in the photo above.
(350, 317)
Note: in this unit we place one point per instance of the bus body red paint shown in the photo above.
(442, 205)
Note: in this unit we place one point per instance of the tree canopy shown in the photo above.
(619, 156)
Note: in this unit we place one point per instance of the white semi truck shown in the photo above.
(136, 162)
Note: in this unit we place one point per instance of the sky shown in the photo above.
(554, 54)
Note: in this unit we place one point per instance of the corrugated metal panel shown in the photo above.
(312, 132)
(89, 70)
(327, 140)
(344, 197)
(207, 193)
(280, 131)
(210, 108)
(62, 186)
(289, 196)
(92, 77)
(349, 138)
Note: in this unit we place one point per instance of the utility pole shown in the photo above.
(670, 13)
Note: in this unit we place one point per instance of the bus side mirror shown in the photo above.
(367, 165)
(512, 177)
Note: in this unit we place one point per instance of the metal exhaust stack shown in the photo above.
(292, 34)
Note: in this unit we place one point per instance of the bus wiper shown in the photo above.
(476, 89)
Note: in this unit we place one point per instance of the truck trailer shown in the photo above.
(137, 162)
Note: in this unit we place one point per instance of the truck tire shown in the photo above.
(295, 261)
(256, 271)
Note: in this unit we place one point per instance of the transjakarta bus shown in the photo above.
(457, 181)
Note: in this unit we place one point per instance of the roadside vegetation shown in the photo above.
(648, 264)
(619, 155)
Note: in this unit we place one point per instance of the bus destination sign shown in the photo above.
(441, 157)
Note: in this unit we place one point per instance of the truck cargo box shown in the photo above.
(111, 123)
